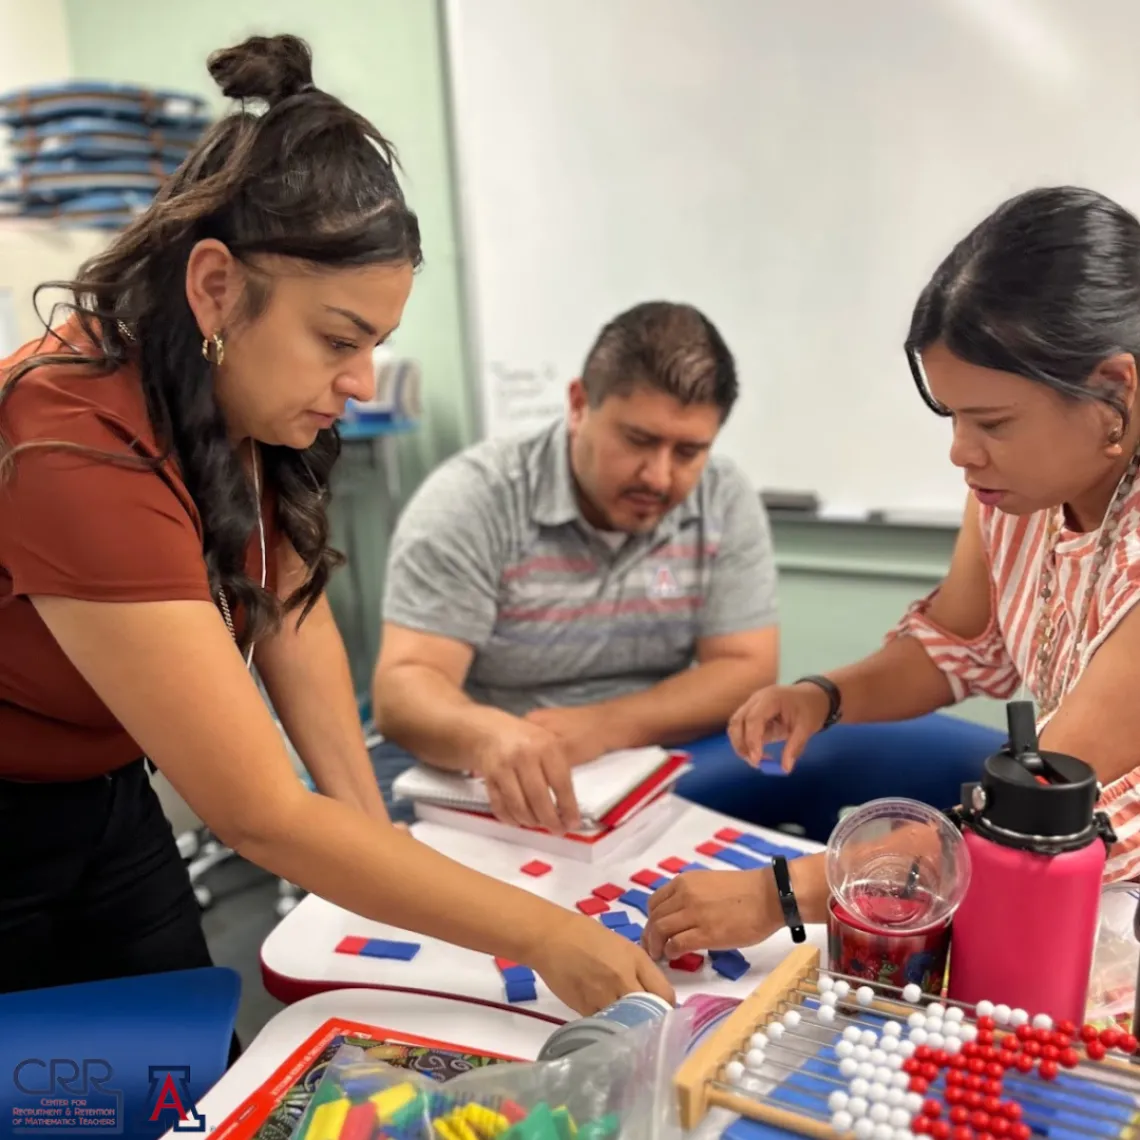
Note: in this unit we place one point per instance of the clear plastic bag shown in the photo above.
(1112, 982)
(619, 1088)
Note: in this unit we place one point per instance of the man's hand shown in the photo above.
(712, 910)
(581, 730)
(522, 765)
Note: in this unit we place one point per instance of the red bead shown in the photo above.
(955, 1095)
(911, 1065)
(918, 1085)
(1050, 1052)
(959, 1061)
(959, 1114)
(992, 1088)
(1024, 1063)
(1067, 1027)
(1110, 1037)
(920, 1126)
(985, 1023)
(962, 1133)
(985, 1037)
(995, 1070)
(970, 1049)
(1031, 1049)
(1021, 1132)
(974, 1083)
(940, 1130)
(979, 1121)
(1089, 1032)
(999, 1126)
(1061, 1040)
(929, 1071)
(973, 1100)
(1048, 1070)
(1024, 1032)
(1011, 1110)
(1095, 1051)
(991, 1104)
(1008, 1041)
(1007, 1059)
(1042, 1036)
(923, 1053)
(1070, 1058)
(932, 1109)
(1128, 1043)
(954, 1077)
(988, 1053)
(976, 1065)
(941, 1058)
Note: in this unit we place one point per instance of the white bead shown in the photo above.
(775, 1031)
(1001, 1014)
(844, 1049)
(828, 999)
(1018, 1018)
(862, 1053)
(734, 1072)
(952, 1045)
(792, 1018)
(852, 1033)
(842, 988)
(758, 1040)
(755, 1059)
(848, 1067)
(837, 1102)
(912, 1102)
(869, 1038)
(935, 1040)
(892, 1029)
(952, 1028)
(902, 1134)
(888, 1045)
(912, 992)
(918, 1036)
(842, 1121)
(877, 1057)
(895, 1060)
(883, 1075)
(900, 1080)
(864, 995)
(863, 1129)
(866, 1070)
(879, 1113)
(906, 1049)
(883, 1131)
(917, 1020)
(933, 1024)
(984, 1008)
(1042, 1021)
(858, 1087)
(936, 1009)
(969, 1031)
(857, 1106)
(826, 1014)
(954, 1013)
(899, 1118)
(895, 1097)
(876, 1092)
(825, 984)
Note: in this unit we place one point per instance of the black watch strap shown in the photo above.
(788, 902)
(835, 701)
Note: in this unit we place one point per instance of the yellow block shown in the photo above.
(486, 1121)
(327, 1121)
(459, 1127)
(443, 1127)
(389, 1101)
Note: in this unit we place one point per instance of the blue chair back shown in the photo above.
(129, 1056)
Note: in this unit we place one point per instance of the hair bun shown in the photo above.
(263, 67)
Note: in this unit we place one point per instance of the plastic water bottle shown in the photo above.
(1025, 933)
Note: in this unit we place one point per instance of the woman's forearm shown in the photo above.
(897, 682)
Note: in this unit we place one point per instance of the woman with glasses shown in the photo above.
(1027, 338)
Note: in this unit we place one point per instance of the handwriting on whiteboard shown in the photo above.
(523, 398)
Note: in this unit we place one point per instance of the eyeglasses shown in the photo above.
(918, 374)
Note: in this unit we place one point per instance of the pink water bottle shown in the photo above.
(1025, 932)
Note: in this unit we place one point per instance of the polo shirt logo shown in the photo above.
(664, 585)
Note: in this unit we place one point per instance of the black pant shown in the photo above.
(91, 884)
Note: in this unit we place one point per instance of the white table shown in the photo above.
(460, 1023)
(298, 958)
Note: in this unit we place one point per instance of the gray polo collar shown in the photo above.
(555, 501)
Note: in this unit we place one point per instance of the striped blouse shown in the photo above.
(995, 663)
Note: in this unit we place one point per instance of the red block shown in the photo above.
(710, 848)
(689, 962)
(592, 905)
(504, 963)
(645, 878)
(673, 865)
(728, 834)
(609, 891)
(360, 1122)
(350, 945)
(512, 1111)
(535, 867)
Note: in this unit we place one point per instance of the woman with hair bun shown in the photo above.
(164, 471)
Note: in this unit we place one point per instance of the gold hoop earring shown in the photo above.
(214, 348)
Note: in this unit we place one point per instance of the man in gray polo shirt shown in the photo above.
(602, 584)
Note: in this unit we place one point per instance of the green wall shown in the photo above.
(842, 586)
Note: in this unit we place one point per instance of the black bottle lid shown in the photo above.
(1034, 800)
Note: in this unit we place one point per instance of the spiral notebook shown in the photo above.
(599, 786)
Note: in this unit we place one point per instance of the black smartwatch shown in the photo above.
(788, 902)
(835, 701)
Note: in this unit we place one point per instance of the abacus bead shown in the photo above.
(935, 1040)
(940, 1130)
(879, 1113)
(1001, 1014)
(933, 1024)
(877, 1092)
(825, 984)
(906, 1048)
(792, 1018)
(1024, 1063)
(776, 1030)
(912, 992)
(848, 1068)
(912, 1102)
(931, 1108)
(852, 1033)
(918, 1085)
(877, 1057)
(1050, 1052)
(828, 999)
(889, 1045)
(899, 1118)
(842, 1120)
(1047, 1070)
(917, 1020)
(883, 1074)
(984, 1009)
(826, 1013)
(894, 1097)
(902, 1134)
(883, 1131)
(895, 1060)
(755, 1059)
(1128, 1043)
(842, 988)
(1110, 1038)
(918, 1036)
(861, 1052)
(952, 1045)
(969, 1032)
(1018, 1017)
(758, 1040)
(1089, 1032)
(986, 1022)
(866, 1070)
(844, 1049)
(892, 1029)
(864, 995)
(1042, 1021)
(955, 1013)
(734, 1072)
(863, 1129)
(1070, 1058)
(869, 1038)
(900, 1080)
(857, 1106)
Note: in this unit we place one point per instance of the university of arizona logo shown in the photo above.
(170, 1097)
(663, 585)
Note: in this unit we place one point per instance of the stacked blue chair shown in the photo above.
(93, 154)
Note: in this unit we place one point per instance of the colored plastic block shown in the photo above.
(710, 848)
(646, 878)
(360, 1123)
(564, 1123)
(729, 964)
(536, 868)
(380, 948)
(592, 905)
(638, 899)
(512, 1111)
(615, 919)
(633, 931)
(693, 867)
(521, 991)
(518, 974)
(728, 835)
(764, 847)
(740, 860)
(688, 962)
(504, 963)
(672, 864)
(608, 891)
(351, 944)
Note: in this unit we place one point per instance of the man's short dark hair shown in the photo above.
(673, 348)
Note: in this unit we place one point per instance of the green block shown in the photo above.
(538, 1125)
(603, 1128)
(412, 1113)
(564, 1122)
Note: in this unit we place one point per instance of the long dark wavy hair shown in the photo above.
(308, 178)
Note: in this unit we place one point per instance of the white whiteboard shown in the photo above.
(796, 168)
